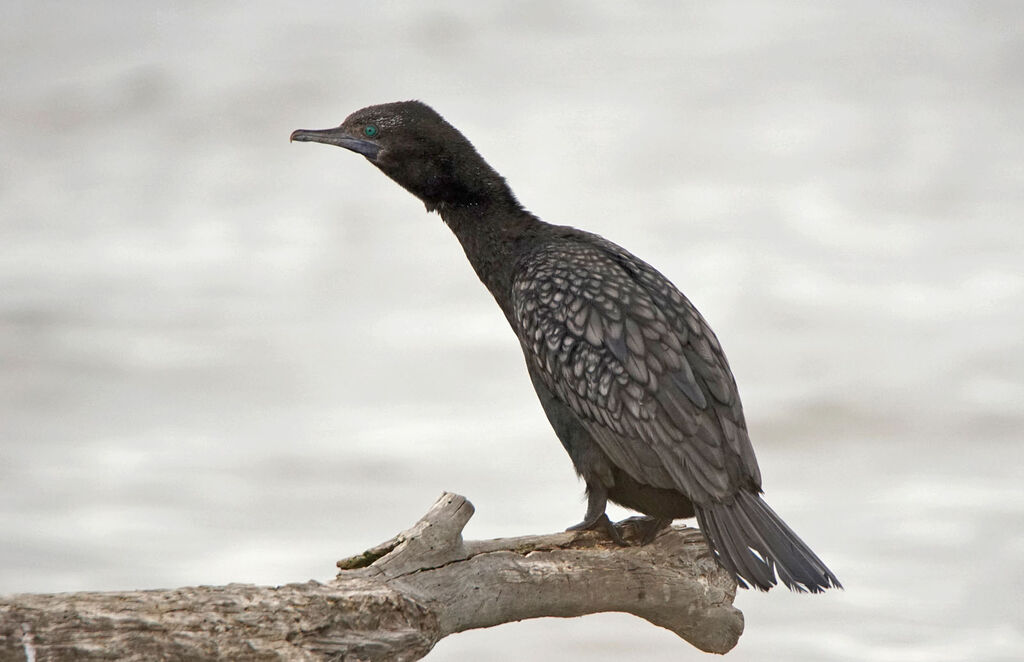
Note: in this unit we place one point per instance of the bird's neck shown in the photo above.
(494, 235)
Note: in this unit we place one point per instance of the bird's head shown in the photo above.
(413, 145)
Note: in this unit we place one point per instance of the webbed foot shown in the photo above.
(650, 527)
(603, 524)
(640, 530)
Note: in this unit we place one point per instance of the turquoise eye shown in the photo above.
(370, 131)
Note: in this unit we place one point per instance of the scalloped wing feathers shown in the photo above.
(632, 358)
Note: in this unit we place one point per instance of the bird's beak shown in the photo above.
(339, 137)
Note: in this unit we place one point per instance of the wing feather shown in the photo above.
(624, 350)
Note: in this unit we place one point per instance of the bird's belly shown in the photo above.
(653, 501)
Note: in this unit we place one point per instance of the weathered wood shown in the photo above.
(393, 602)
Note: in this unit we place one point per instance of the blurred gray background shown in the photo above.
(227, 358)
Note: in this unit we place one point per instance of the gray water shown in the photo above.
(225, 358)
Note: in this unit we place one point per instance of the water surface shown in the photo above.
(227, 358)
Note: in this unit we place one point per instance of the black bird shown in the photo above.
(630, 375)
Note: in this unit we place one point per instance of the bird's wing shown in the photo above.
(620, 346)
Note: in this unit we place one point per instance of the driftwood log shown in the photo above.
(392, 602)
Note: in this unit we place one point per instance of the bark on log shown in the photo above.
(392, 602)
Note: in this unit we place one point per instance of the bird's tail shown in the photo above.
(752, 542)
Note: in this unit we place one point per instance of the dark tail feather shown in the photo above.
(753, 543)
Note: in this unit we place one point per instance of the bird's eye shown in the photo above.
(370, 131)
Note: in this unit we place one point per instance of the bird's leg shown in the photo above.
(596, 519)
